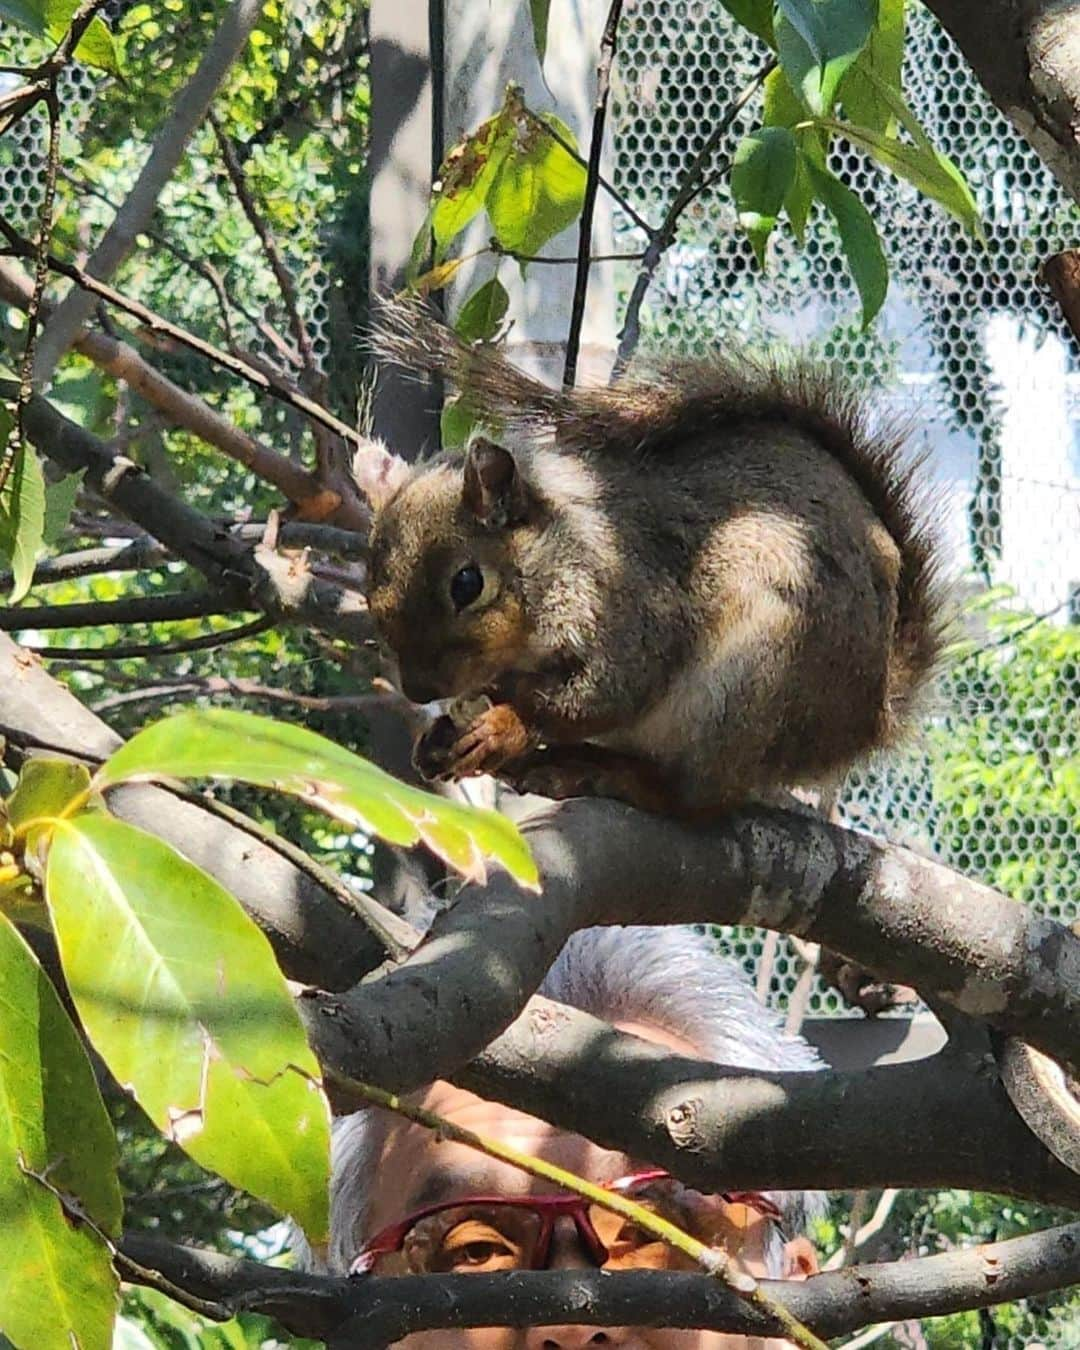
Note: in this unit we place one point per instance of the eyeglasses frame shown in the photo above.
(564, 1204)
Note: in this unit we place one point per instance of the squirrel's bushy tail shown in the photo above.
(663, 404)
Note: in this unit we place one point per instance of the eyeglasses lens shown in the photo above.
(473, 1239)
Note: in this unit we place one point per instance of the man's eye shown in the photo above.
(466, 585)
(477, 1253)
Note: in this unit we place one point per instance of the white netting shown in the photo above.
(969, 343)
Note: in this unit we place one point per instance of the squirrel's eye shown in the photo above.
(466, 585)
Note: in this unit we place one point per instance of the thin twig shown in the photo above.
(284, 279)
(712, 1260)
(608, 43)
(566, 260)
(126, 651)
(215, 685)
(663, 236)
(612, 191)
(203, 269)
(235, 365)
(129, 609)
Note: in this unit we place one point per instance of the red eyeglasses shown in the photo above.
(481, 1234)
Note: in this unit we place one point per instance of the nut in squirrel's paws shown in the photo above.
(458, 747)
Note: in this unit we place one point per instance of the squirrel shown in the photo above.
(707, 584)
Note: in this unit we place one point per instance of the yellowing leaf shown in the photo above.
(57, 1285)
(180, 994)
(221, 743)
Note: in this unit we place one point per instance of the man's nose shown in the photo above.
(575, 1338)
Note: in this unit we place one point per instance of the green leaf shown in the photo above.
(59, 504)
(817, 41)
(762, 173)
(221, 743)
(45, 788)
(180, 994)
(755, 15)
(29, 14)
(780, 106)
(878, 67)
(931, 172)
(22, 518)
(97, 46)
(538, 12)
(57, 1286)
(538, 189)
(862, 247)
(457, 422)
(465, 177)
(479, 317)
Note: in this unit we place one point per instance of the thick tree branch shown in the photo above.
(372, 1313)
(1027, 57)
(315, 937)
(189, 108)
(943, 1121)
(904, 916)
(284, 589)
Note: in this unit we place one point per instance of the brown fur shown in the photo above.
(716, 567)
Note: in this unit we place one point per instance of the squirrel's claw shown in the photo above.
(494, 738)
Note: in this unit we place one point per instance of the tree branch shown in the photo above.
(1025, 57)
(592, 182)
(129, 609)
(257, 376)
(942, 1121)
(181, 407)
(661, 238)
(284, 589)
(906, 917)
(189, 109)
(374, 1312)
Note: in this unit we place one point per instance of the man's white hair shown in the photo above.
(672, 978)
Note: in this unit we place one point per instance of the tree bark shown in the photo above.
(1026, 55)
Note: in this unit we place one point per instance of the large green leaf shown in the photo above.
(479, 317)
(862, 247)
(180, 994)
(221, 743)
(878, 66)
(22, 518)
(931, 172)
(57, 1286)
(817, 41)
(538, 188)
(762, 173)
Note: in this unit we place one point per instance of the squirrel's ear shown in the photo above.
(378, 472)
(493, 490)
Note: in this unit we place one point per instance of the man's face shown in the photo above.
(416, 1170)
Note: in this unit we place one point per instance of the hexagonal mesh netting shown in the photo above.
(974, 349)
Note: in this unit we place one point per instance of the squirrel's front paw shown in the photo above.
(489, 741)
